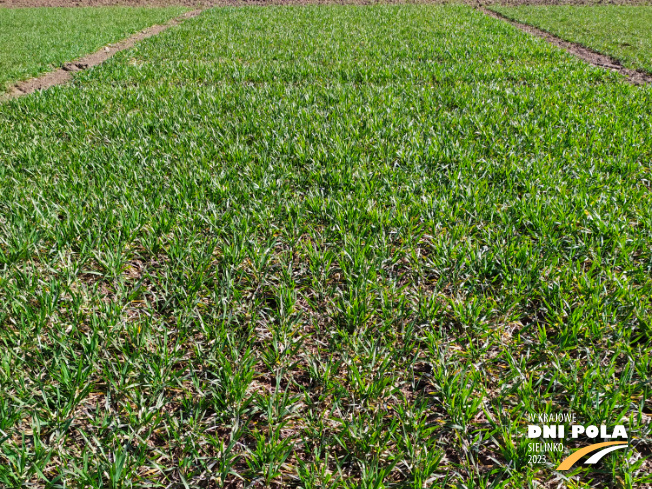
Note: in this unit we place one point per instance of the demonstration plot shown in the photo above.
(325, 247)
(621, 31)
(36, 40)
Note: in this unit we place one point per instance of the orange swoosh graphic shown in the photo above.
(568, 462)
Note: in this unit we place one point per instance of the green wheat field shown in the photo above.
(325, 247)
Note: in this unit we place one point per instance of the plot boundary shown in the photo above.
(63, 75)
(636, 77)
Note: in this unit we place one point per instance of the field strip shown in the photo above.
(582, 52)
(326, 246)
(64, 74)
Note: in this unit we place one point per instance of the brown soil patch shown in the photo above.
(64, 74)
(586, 54)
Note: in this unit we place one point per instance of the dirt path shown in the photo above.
(586, 54)
(64, 74)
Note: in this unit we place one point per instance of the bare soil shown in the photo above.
(584, 53)
(64, 74)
